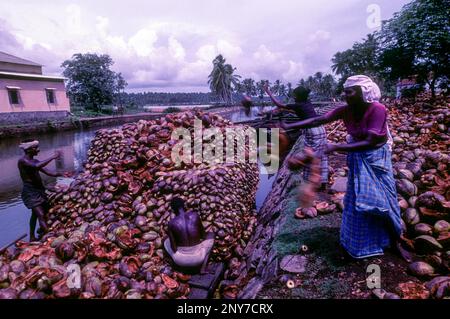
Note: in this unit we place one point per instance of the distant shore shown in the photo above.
(74, 123)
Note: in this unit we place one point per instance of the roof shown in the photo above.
(8, 58)
(31, 76)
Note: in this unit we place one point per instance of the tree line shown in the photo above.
(414, 44)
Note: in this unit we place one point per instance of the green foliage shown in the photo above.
(260, 88)
(133, 100)
(333, 287)
(416, 41)
(172, 109)
(249, 86)
(323, 87)
(320, 234)
(222, 80)
(90, 80)
(360, 59)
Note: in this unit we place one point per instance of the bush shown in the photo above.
(412, 92)
(172, 109)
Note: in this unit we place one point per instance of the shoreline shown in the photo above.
(73, 123)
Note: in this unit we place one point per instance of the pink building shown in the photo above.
(28, 95)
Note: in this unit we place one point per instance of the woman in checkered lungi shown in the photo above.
(371, 219)
(315, 137)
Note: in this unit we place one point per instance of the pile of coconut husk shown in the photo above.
(111, 221)
(421, 163)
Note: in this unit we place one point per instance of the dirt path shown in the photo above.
(327, 273)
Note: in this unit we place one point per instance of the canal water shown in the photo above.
(14, 216)
(246, 114)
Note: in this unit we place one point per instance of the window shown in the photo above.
(14, 96)
(50, 95)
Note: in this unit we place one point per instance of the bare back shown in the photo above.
(186, 229)
(29, 173)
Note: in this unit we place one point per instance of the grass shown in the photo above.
(320, 234)
(83, 113)
(333, 287)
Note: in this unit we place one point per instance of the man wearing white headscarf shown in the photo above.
(33, 193)
(371, 218)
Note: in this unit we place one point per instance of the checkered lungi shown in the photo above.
(316, 138)
(371, 216)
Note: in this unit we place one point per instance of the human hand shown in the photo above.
(57, 154)
(331, 148)
(284, 125)
(67, 174)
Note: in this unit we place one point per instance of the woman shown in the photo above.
(371, 219)
(315, 137)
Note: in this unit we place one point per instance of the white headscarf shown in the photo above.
(370, 90)
(27, 145)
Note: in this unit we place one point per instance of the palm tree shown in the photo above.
(289, 89)
(260, 88)
(276, 87)
(222, 80)
(282, 90)
(249, 86)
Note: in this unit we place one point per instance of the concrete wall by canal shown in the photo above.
(261, 263)
(264, 249)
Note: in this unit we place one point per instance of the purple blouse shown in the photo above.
(374, 120)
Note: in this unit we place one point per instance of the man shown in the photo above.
(33, 193)
(188, 244)
(247, 103)
(315, 138)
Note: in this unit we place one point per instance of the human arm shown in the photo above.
(40, 164)
(311, 122)
(329, 117)
(50, 173)
(275, 101)
(372, 140)
(202, 230)
(173, 243)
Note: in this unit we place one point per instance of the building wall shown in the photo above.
(33, 96)
(20, 68)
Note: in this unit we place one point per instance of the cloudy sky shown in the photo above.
(168, 45)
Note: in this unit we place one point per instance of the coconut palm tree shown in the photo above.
(222, 79)
(249, 86)
(282, 90)
(289, 89)
(276, 87)
(260, 88)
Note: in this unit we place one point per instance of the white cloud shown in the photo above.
(73, 19)
(143, 42)
(176, 50)
(206, 52)
(228, 49)
(172, 43)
